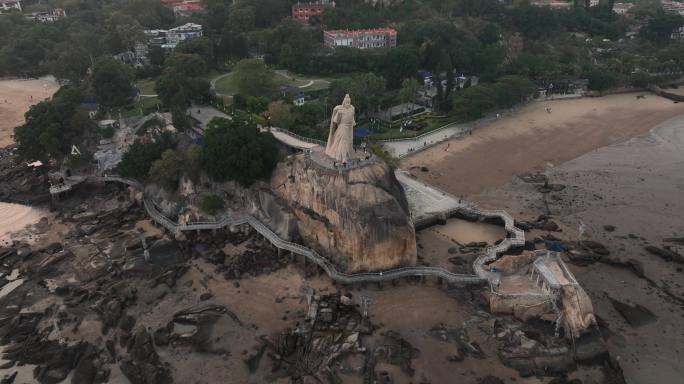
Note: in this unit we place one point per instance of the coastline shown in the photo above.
(533, 140)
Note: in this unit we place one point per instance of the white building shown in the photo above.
(361, 38)
(185, 32)
(47, 16)
(8, 5)
(622, 8)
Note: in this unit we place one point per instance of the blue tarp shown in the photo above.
(554, 246)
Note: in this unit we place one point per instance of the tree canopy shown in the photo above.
(53, 126)
(253, 78)
(112, 82)
(138, 160)
(236, 150)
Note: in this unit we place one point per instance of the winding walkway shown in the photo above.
(481, 275)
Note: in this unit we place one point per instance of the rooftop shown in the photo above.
(361, 31)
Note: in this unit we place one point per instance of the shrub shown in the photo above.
(211, 204)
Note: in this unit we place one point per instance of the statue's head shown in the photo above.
(347, 100)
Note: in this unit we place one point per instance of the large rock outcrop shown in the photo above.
(358, 219)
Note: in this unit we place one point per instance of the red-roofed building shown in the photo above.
(361, 38)
(304, 11)
(184, 7)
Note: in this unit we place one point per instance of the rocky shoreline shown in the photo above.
(22, 183)
(115, 299)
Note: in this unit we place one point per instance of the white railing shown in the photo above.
(481, 276)
(298, 137)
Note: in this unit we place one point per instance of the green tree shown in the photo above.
(601, 78)
(187, 64)
(212, 204)
(253, 78)
(660, 28)
(409, 90)
(157, 56)
(193, 161)
(169, 168)
(281, 114)
(236, 150)
(474, 102)
(177, 90)
(53, 126)
(366, 90)
(112, 82)
(202, 47)
(399, 63)
(137, 161)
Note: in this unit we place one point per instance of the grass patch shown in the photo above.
(227, 85)
(146, 86)
(394, 133)
(138, 108)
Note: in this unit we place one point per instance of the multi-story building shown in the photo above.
(304, 11)
(188, 7)
(175, 36)
(361, 38)
(8, 5)
(169, 39)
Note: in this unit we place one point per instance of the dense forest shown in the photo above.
(478, 37)
(512, 47)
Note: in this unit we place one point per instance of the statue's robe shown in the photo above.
(341, 138)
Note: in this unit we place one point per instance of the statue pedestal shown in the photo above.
(360, 159)
(358, 218)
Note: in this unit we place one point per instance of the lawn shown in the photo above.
(393, 133)
(135, 108)
(145, 86)
(226, 85)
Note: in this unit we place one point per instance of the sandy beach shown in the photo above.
(16, 96)
(533, 139)
(636, 186)
(15, 217)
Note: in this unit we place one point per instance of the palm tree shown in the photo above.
(409, 90)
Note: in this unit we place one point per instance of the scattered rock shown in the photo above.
(636, 315)
(665, 253)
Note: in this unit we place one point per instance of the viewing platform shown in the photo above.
(362, 158)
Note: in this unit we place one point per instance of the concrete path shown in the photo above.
(424, 200)
(401, 148)
(292, 141)
(212, 84)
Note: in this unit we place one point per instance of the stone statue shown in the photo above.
(340, 145)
